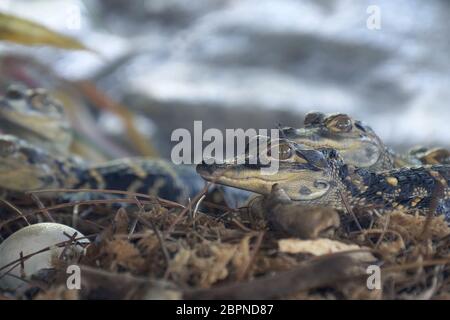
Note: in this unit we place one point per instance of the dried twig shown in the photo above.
(385, 228)
(42, 207)
(349, 210)
(251, 261)
(162, 201)
(16, 210)
(186, 210)
(314, 273)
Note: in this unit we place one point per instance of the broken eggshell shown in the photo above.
(32, 239)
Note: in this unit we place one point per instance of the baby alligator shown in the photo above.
(319, 177)
(357, 143)
(24, 167)
(35, 139)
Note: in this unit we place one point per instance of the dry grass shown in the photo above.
(159, 249)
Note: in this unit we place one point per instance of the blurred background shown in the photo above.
(161, 64)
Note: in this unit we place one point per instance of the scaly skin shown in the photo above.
(35, 137)
(313, 178)
(33, 116)
(357, 143)
(24, 167)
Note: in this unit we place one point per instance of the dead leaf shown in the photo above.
(58, 293)
(215, 268)
(179, 262)
(411, 226)
(203, 268)
(316, 247)
(242, 256)
(123, 253)
(23, 31)
(121, 222)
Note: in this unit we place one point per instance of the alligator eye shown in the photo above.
(341, 123)
(39, 100)
(284, 151)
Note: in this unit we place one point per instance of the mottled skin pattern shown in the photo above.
(409, 189)
(321, 178)
(33, 116)
(34, 154)
(24, 168)
(357, 143)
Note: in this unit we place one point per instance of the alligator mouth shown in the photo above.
(244, 177)
(232, 174)
(12, 126)
(251, 179)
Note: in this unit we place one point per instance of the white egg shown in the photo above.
(29, 240)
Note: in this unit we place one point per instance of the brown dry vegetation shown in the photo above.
(160, 250)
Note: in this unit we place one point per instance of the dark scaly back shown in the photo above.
(410, 189)
(407, 189)
(136, 175)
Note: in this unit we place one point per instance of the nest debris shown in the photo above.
(155, 249)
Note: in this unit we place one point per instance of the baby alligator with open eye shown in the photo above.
(320, 178)
(357, 143)
(35, 139)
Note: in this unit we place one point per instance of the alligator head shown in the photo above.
(356, 142)
(303, 173)
(32, 115)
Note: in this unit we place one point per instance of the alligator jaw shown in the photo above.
(301, 182)
(237, 176)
